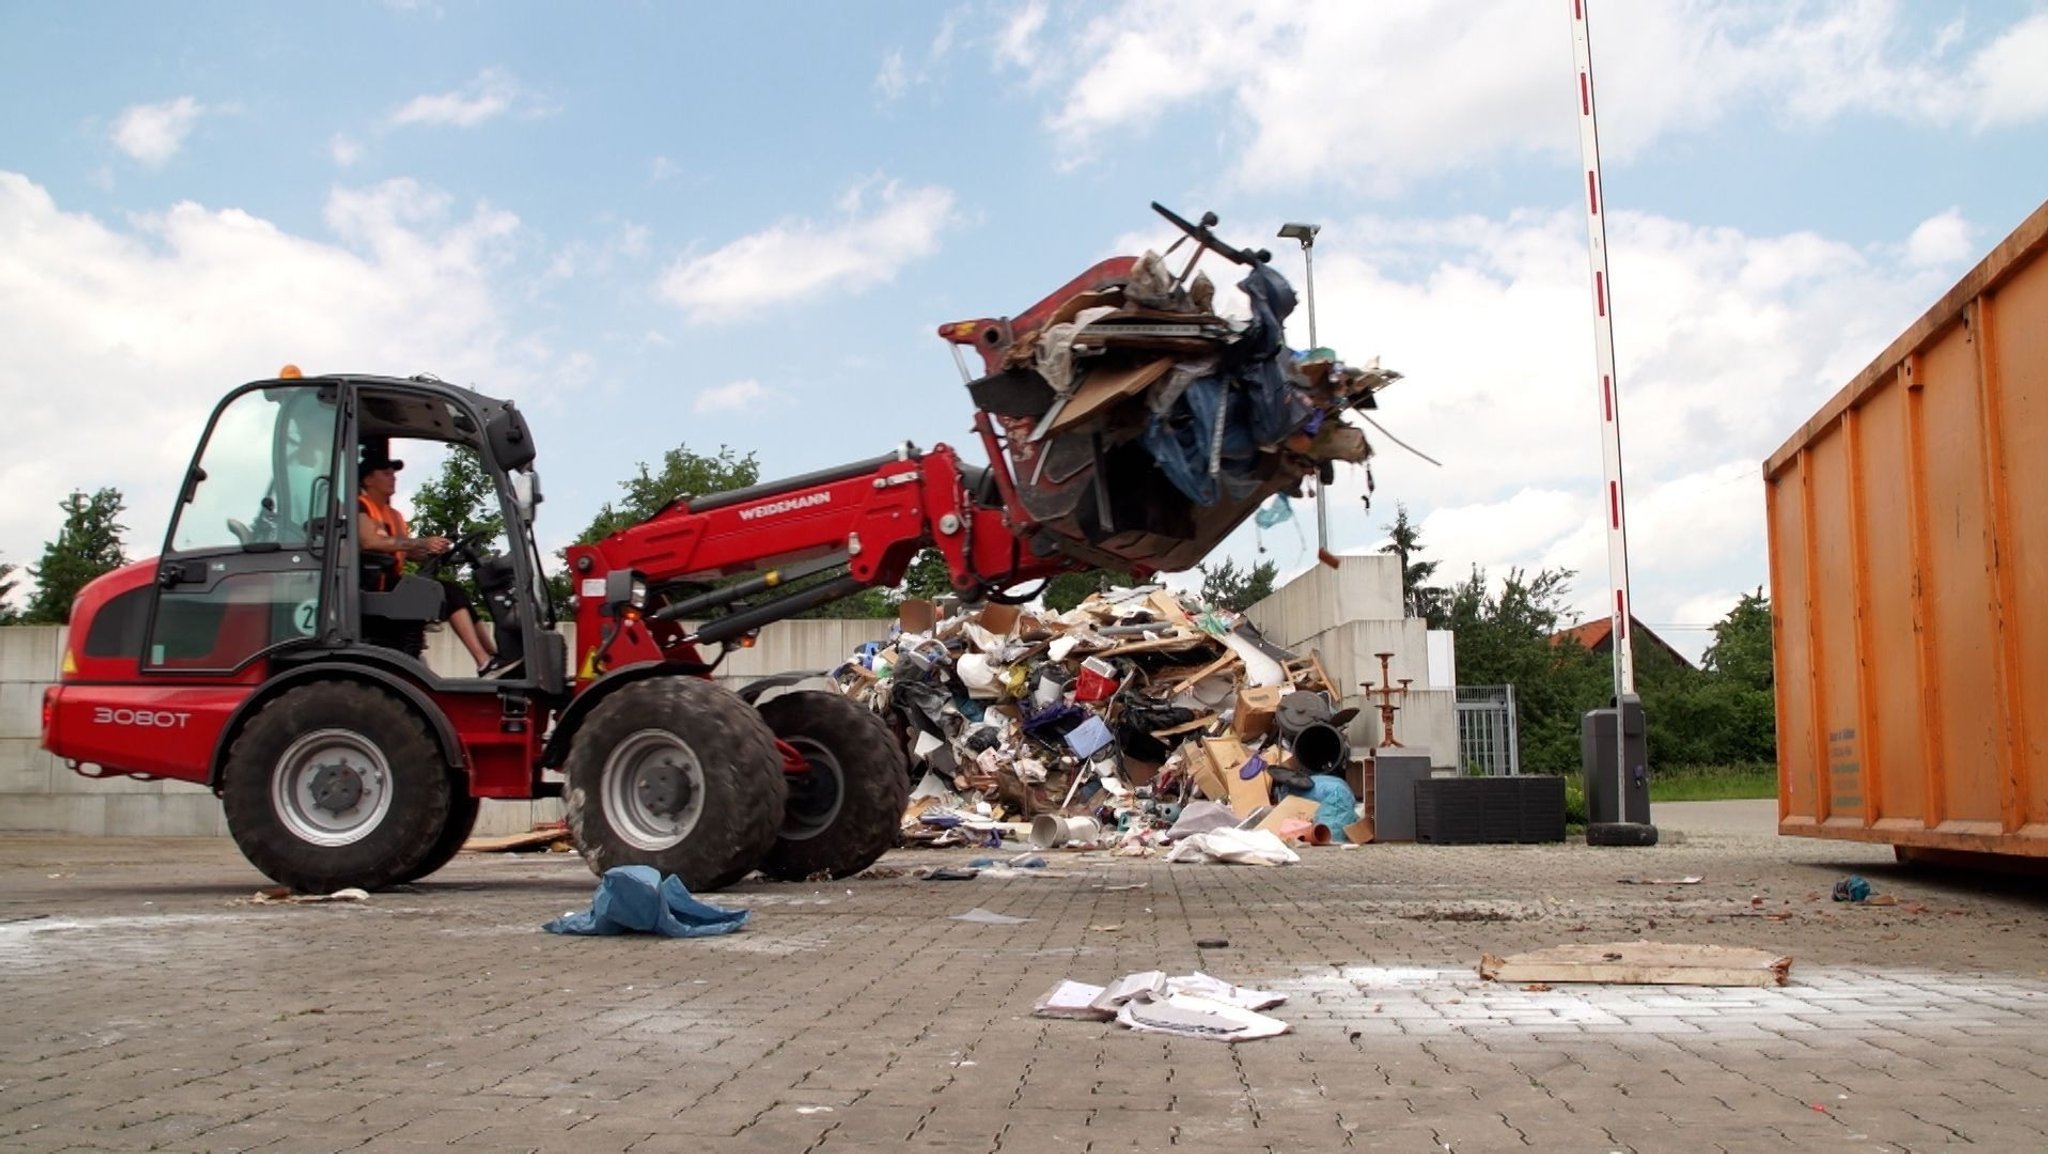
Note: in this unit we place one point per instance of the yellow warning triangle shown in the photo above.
(589, 670)
(70, 663)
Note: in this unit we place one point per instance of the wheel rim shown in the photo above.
(814, 797)
(331, 788)
(653, 789)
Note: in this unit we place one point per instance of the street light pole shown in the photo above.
(1306, 234)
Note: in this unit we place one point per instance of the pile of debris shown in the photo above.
(1128, 722)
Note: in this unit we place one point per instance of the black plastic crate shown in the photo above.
(1489, 810)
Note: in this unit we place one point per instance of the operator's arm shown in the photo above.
(376, 540)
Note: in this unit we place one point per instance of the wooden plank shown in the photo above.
(531, 839)
(1641, 964)
(1217, 666)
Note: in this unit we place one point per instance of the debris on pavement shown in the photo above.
(1641, 964)
(1688, 880)
(1130, 723)
(552, 837)
(270, 895)
(1852, 889)
(638, 899)
(1191, 1005)
(984, 917)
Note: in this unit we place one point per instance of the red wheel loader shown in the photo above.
(1124, 423)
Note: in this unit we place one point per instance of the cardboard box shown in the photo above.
(1253, 714)
(1000, 620)
(916, 615)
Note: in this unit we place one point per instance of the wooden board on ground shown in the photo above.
(531, 839)
(1641, 964)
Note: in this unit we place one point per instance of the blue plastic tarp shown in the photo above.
(637, 899)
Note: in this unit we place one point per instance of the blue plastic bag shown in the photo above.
(637, 899)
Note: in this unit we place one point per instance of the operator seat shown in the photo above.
(397, 618)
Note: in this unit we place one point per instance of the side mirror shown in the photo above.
(511, 442)
(526, 495)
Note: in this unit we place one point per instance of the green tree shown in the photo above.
(1429, 602)
(682, 474)
(1741, 652)
(1505, 639)
(88, 544)
(9, 615)
(1067, 590)
(459, 501)
(1226, 587)
(927, 576)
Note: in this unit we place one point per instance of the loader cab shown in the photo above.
(262, 558)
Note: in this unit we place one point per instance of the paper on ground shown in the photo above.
(1192, 1016)
(1218, 990)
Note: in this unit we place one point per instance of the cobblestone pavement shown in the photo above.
(150, 1004)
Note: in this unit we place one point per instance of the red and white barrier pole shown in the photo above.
(1603, 340)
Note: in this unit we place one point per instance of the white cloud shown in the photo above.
(489, 95)
(122, 338)
(885, 226)
(344, 150)
(1017, 42)
(1942, 240)
(151, 134)
(729, 398)
(1727, 342)
(1380, 94)
(894, 79)
(2008, 77)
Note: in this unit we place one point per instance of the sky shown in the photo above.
(734, 225)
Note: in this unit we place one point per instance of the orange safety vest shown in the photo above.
(381, 570)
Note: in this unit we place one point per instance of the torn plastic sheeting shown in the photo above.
(637, 899)
(1234, 847)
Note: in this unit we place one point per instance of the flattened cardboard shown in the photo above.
(1248, 796)
(1104, 386)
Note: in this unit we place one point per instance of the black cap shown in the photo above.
(375, 461)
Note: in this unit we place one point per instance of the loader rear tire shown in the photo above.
(848, 810)
(679, 774)
(333, 785)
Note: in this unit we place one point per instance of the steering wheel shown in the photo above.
(462, 549)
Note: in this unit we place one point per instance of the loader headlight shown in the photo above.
(624, 589)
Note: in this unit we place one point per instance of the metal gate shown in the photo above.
(1486, 731)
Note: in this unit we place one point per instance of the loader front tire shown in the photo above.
(462, 813)
(333, 785)
(847, 811)
(679, 774)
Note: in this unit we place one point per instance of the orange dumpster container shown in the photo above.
(1908, 526)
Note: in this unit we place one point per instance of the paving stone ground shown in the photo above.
(150, 1005)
